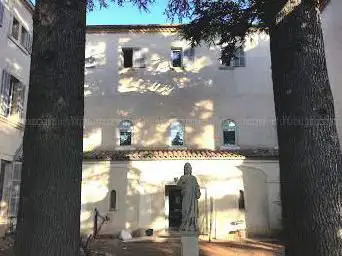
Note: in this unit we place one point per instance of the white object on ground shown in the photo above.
(125, 235)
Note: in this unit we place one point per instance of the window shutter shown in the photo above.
(5, 93)
(139, 58)
(28, 42)
(15, 189)
(21, 100)
(2, 12)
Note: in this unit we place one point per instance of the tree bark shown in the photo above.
(310, 157)
(49, 213)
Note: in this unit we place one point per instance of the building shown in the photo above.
(15, 55)
(153, 103)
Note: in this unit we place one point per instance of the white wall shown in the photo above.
(140, 187)
(202, 95)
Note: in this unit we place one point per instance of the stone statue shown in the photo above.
(191, 193)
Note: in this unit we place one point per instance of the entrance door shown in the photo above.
(175, 206)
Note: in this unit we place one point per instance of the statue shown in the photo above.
(191, 193)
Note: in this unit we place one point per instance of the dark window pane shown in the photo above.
(24, 37)
(226, 61)
(15, 28)
(178, 139)
(125, 138)
(128, 57)
(176, 57)
(229, 137)
(242, 200)
(112, 200)
(17, 102)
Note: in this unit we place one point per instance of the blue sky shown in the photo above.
(129, 14)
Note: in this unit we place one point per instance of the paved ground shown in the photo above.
(246, 248)
(117, 248)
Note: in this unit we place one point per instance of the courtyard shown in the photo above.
(115, 247)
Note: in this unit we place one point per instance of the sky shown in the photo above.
(129, 14)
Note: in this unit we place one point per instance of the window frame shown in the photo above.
(15, 181)
(17, 36)
(115, 208)
(181, 51)
(13, 85)
(235, 61)
(23, 42)
(134, 59)
(123, 129)
(239, 56)
(224, 129)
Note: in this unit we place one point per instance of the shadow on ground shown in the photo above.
(114, 247)
(244, 248)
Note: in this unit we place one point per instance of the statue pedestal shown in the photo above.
(190, 245)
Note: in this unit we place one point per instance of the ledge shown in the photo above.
(13, 124)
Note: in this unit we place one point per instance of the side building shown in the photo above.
(15, 56)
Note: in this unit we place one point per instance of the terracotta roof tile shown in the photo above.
(160, 155)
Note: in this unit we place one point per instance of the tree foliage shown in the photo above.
(224, 22)
(141, 4)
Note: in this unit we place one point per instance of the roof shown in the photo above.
(169, 154)
(133, 28)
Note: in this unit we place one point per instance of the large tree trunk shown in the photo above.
(49, 214)
(310, 160)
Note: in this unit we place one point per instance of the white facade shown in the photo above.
(15, 41)
(153, 95)
(201, 95)
(142, 201)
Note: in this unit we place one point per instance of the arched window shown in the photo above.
(229, 133)
(242, 200)
(126, 129)
(112, 204)
(177, 134)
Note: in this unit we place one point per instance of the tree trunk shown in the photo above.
(49, 214)
(310, 157)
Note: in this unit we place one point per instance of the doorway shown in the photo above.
(174, 195)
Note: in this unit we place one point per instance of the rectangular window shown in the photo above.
(133, 58)
(21, 35)
(239, 59)
(15, 29)
(229, 137)
(176, 58)
(12, 96)
(127, 57)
